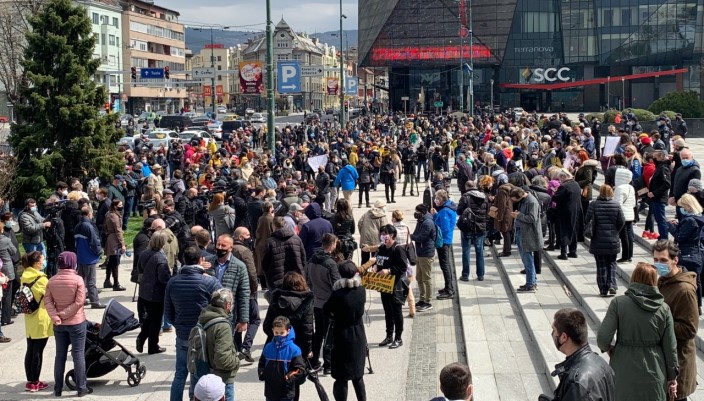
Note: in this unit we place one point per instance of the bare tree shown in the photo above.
(13, 27)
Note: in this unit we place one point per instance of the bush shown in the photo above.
(641, 114)
(589, 116)
(610, 115)
(686, 102)
(669, 113)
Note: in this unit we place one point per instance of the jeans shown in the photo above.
(423, 275)
(89, 275)
(129, 205)
(478, 240)
(528, 261)
(181, 372)
(626, 237)
(424, 165)
(75, 336)
(252, 327)
(364, 191)
(230, 392)
(6, 309)
(658, 210)
(34, 247)
(444, 261)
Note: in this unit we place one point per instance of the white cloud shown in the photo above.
(311, 17)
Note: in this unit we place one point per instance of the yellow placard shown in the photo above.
(378, 282)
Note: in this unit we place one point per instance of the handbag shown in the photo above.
(493, 212)
(585, 191)
(401, 287)
(24, 299)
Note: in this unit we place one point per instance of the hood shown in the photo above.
(590, 163)
(477, 194)
(211, 312)
(646, 297)
(281, 342)
(683, 277)
(313, 211)
(354, 282)
(450, 205)
(538, 189)
(377, 213)
(320, 256)
(289, 302)
(283, 233)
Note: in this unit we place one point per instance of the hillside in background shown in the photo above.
(196, 40)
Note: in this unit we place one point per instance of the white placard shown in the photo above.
(317, 161)
(610, 145)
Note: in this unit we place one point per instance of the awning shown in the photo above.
(595, 81)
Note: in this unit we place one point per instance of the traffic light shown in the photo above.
(166, 72)
(107, 107)
(347, 107)
(134, 73)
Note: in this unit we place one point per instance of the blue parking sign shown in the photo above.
(288, 77)
(352, 84)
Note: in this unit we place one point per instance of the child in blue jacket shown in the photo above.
(281, 364)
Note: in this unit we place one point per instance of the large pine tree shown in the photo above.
(59, 133)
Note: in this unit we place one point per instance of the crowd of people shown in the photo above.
(223, 220)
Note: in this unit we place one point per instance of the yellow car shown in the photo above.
(230, 117)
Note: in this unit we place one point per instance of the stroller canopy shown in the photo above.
(117, 320)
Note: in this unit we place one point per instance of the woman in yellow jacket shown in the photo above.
(38, 324)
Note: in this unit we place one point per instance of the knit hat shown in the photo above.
(646, 141)
(347, 269)
(67, 260)
(695, 184)
(209, 388)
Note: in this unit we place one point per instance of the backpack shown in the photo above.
(197, 357)
(464, 222)
(438, 237)
(24, 299)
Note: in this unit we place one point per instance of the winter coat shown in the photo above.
(528, 222)
(626, 197)
(424, 236)
(283, 252)
(65, 295)
(265, 227)
(369, 225)
(584, 376)
(585, 175)
(478, 205)
(347, 178)
(346, 308)
(187, 293)
(464, 174)
(503, 221)
(113, 231)
(645, 352)
(321, 273)
(541, 194)
(686, 234)
(322, 182)
(70, 216)
(279, 358)
(660, 182)
(312, 232)
(31, 226)
(38, 324)
(9, 233)
(220, 222)
(6, 252)
(219, 344)
(445, 219)
(342, 228)
(139, 245)
(155, 272)
(607, 221)
(568, 200)
(298, 308)
(243, 253)
(236, 279)
(365, 173)
(87, 237)
(680, 180)
(680, 293)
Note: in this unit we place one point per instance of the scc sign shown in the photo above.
(551, 74)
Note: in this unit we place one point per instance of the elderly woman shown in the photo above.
(64, 300)
(37, 324)
(686, 233)
(114, 245)
(607, 221)
(154, 273)
(644, 355)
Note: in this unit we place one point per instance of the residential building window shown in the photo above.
(96, 18)
(111, 40)
(106, 20)
(219, 58)
(219, 68)
(219, 77)
(114, 22)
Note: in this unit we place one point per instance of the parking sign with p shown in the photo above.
(288, 77)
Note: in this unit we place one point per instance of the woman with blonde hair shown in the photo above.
(644, 354)
(686, 234)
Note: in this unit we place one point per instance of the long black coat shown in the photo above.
(607, 221)
(298, 308)
(568, 198)
(346, 306)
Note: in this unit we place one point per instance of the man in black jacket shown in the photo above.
(456, 383)
(477, 207)
(464, 172)
(321, 274)
(659, 188)
(424, 238)
(584, 375)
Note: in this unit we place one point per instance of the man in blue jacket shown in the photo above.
(88, 251)
(187, 294)
(312, 232)
(347, 179)
(445, 217)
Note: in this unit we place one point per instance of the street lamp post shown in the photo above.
(471, 62)
(341, 87)
(270, 134)
(212, 62)
(623, 93)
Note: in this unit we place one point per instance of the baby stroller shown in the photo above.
(99, 354)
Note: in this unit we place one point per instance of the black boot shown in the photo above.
(387, 341)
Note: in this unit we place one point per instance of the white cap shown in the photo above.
(210, 388)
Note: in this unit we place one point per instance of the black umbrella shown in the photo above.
(313, 377)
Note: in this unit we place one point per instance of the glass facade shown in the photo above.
(524, 46)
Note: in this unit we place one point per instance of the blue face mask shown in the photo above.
(663, 269)
(684, 212)
(687, 163)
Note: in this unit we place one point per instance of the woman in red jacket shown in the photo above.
(648, 171)
(64, 299)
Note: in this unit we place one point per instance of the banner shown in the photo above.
(218, 90)
(251, 78)
(378, 282)
(333, 85)
(317, 161)
(207, 90)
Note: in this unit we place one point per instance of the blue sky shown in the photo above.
(303, 15)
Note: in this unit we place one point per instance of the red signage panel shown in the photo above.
(421, 53)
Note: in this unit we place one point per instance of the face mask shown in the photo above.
(64, 193)
(9, 224)
(34, 208)
(663, 269)
(438, 202)
(687, 163)
(417, 215)
(221, 252)
(384, 238)
(121, 208)
(684, 212)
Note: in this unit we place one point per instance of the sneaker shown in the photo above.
(31, 387)
(97, 306)
(419, 303)
(445, 295)
(4, 339)
(480, 278)
(246, 355)
(523, 271)
(42, 386)
(396, 344)
(572, 255)
(424, 308)
(387, 341)
(118, 287)
(107, 285)
(88, 390)
(562, 257)
(442, 291)
(646, 234)
(464, 278)
(527, 288)
(612, 291)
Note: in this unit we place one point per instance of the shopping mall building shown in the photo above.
(545, 55)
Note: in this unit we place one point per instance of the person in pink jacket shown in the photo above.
(64, 300)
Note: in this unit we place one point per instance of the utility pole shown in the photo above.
(212, 65)
(270, 134)
(341, 87)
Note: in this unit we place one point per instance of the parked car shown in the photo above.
(146, 117)
(232, 126)
(186, 136)
(125, 119)
(222, 109)
(329, 110)
(201, 120)
(249, 110)
(173, 121)
(317, 111)
(160, 136)
(257, 118)
(312, 117)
